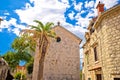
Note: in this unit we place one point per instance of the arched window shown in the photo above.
(58, 39)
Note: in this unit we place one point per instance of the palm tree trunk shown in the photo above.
(36, 62)
(41, 50)
(41, 67)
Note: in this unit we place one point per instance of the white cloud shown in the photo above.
(82, 22)
(16, 31)
(78, 6)
(89, 4)
(90, 14)
(82, 12)
(9, 23)
(71, 15)
(45, 11)
(65, 1)
(53, 12)
(109, 4)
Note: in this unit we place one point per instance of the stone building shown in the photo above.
(62, 60)
(3, 69)
(102, 47)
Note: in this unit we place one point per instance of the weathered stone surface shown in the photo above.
(3, 69)
(107, 37)
(62, 60)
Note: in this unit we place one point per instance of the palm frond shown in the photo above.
(48, 26)
(40, 24)
(35, 27)
(51, 34)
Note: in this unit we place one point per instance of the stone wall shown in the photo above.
(107, 39)
(3, 69)
(62, 61)
(111, 45)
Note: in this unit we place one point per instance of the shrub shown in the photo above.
(29, 66)
(20, 75)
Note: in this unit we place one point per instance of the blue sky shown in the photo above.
(74, 15)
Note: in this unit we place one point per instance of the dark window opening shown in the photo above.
(99, 77)
(116, 78)
(92, 30)
(58, 39)
(89, 78)
(92, 24)
(95, 53)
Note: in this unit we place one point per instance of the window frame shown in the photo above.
(87, 57)
(95, 53)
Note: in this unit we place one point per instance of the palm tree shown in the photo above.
(40, 34)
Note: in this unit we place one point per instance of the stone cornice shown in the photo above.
(110, 11)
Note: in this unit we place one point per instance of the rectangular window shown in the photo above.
(87, 57)
(95, 53)
(99, 77)
(92, 30)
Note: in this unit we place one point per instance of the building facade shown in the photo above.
(62, 60)
(102, 48)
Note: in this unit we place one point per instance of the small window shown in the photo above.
(58, 39)
(95, 53)
(89, 78)
(92, 24)
(99, 77)
(92, 30)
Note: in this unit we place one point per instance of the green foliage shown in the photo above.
(23, 47)
(21, 51)
(11, 59)
(46, 29)
(41, 27)
(24, 44)
(29, 66)
(19, 76)
(80, 74)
